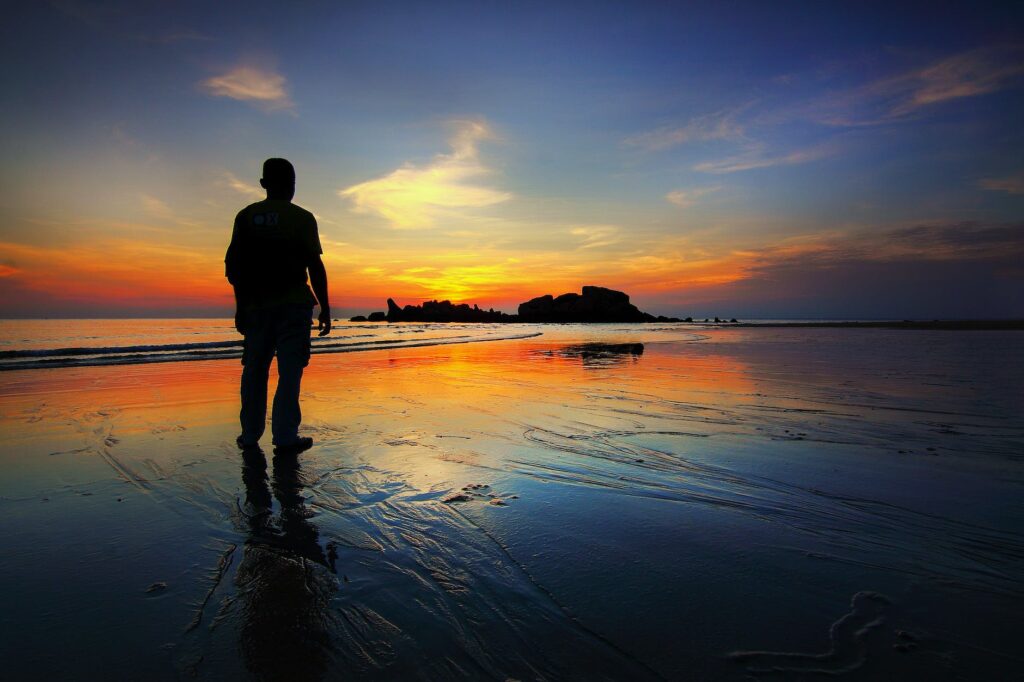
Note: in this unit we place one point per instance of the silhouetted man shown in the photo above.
(272, 245)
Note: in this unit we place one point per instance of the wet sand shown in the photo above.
(732, 504)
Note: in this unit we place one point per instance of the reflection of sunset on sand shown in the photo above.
(563, 505)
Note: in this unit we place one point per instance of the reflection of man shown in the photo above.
(272, 245)
(285, 580)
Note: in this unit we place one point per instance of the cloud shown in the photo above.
(945, 241)
(1013, 184)
(595, 236)
(687, 198)
(262, 86)
(971, 73)
(918, 243)
(156, 207)
(110, 274)
(721, 125)
(242, 187)
(755, 158)
(968, 74)
(413, 197)
(947, 270)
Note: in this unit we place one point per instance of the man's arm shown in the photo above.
(240, 311)
(232, 267)
(318, 280)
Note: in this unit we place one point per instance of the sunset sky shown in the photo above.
(861, 160)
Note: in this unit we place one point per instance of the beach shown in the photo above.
(526, 502)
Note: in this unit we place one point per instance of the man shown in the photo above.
(273, 244)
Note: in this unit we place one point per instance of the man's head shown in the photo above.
(278, 179)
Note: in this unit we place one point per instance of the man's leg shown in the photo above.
(293, 345)
(256, 359)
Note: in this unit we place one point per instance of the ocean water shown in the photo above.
(84, 342)
(70, 343)
(588, 502)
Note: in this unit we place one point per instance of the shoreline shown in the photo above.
(943, 325)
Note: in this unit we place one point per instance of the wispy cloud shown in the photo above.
(722, 125)
(916, 242)
(688, 197)
(125, 273)
(156, 207)
(242, 187)
(1013, 184)
(262, 86)
(968, 74)
(595, 236)
(756, 158)
(971, 73)
(414, 196)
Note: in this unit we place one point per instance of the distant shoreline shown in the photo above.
(951, 325)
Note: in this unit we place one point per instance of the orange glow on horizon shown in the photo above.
(137, 274)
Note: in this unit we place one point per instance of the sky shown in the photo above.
(747, 159)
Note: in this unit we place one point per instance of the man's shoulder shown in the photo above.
(303, 213)
(295, 213)
(251, 208)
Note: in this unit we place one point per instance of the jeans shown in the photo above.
(284, 329)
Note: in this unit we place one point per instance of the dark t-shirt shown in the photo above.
(272, 244)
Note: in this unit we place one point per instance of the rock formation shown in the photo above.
(444, 311)
(594, 304)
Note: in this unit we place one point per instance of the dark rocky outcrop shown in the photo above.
(444, 311)
(594, 304)
(357, 318)
(378, 316)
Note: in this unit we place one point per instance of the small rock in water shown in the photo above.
(456, 497)
(156, 587)
(498, 502)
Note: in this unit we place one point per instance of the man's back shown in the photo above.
(272, 244)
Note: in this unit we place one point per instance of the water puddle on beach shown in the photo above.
(606, 502)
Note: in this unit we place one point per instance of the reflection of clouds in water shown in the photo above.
(285, 581)
(595, 355)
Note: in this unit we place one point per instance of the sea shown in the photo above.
(41, 343)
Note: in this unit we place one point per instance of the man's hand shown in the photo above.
(240, 321)
(324, 322)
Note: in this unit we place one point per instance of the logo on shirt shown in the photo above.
(270, 219)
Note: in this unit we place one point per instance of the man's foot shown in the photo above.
(247, 446)
(300, 444)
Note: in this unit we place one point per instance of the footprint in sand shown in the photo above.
(477, 492)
